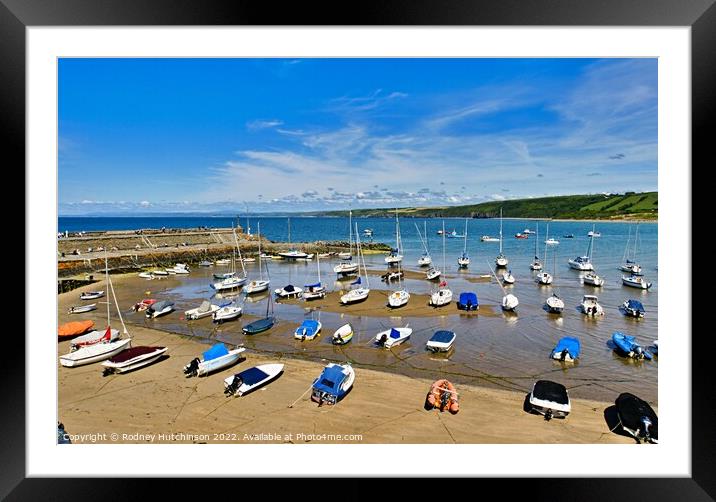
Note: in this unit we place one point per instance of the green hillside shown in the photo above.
(629, 205)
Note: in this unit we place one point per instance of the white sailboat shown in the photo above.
(544, 278)
(347, 267)
(401, 296)
(257, 286)
(394, 256)
(536, 264)
(292, 252)
(99, 349)
(232, 281)
(317, 290)
(443, 295)
(554, 303)
(636, 281)
(631, 265)
(360, 293)
(591, 278)
(424, 260)
(509, 301)
(464, 260)
(584, 263)
(501, 261)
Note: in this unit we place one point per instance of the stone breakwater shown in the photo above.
(134, 250)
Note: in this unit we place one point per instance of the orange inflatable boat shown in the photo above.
(443, 396)
(74, 328)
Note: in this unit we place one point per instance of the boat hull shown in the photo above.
(94, 353)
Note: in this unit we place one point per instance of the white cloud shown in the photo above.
(256, 125)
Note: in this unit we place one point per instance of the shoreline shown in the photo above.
(157, 404)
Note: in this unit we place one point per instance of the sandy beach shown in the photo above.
(157, 404)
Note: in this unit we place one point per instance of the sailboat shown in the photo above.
(591, 277)
(260, 285)
(628, 265)
(394, 256)
(231, 281)
(292, 252)
(554, 303)
(550, 241)
(289, 290)
(347, 267)
(544, 278)
(464, 260)
(509, 301)
(536, 264)
(443, 295)
(360, 293)
(317, 290)
(501, 261)
(584, 263)
(401, 296)
(267, 322)
(424, 260)
(347, 255)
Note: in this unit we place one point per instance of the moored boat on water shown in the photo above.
(555, 305)
(626, 346)
(590, 305)
(441, 341)
(633, 308)
(636, 281)
(566, 350)
(468, 301)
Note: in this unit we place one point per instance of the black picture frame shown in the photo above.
(700, 15)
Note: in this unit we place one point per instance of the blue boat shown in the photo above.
(308, 330)
(567, 349)
(627, 346)
(633, 308)
(468, 301)
(333, 384)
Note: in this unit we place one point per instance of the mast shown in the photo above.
(106, 274)
(360, 255)
(636, 241)
(425, 233)
(350, 232)
(546, 238)
(289, 232)
(236, 240)
(318, 265)
(464, 247)
(261, 276)
(444, 246)
(500, 230)
(536, 240)
(626, 250)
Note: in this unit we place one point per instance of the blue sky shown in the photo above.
(194, 135)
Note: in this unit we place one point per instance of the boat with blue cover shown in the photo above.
(468, 301)
(333, 383)
(251, 379)
(216, 358)
(633, 308)
(308, 330)
(627, 347)
(566, 350)
(441, 341)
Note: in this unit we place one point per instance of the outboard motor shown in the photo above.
(548, 415)
(233, 387)
(383, 339)
(444, 400)
(647, 423)
(638, 353)
(563, 355)
(192, 368)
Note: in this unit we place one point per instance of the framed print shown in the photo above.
(245, 219)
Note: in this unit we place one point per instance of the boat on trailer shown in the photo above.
(333, 383)
(550, 399)
(216, 358)
(637, 418)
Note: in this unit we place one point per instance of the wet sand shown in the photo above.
(382, 407)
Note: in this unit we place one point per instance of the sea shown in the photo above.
(501, 350)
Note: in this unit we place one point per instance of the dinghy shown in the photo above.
(251, 379)
(393, 336)
(555, 304)
(443, 396)
(214, 359)
(143, 305)
(508, 278)
(223, 261)
(550, 399)
(146, 275)
(343, 335)
(94, 353)
(180, 268)
(91, 295)
(635, 281)
(626, 346)
(82, 308)
(94, 337)
(590, 305)
(551, 241)
(637, 418)
(308, 330)
(74, 328)
(656, 347)
(132, 359)
(226, 313)
(289, 291)
(204, 310)
(333, 383)
(441, 341)
(259, 326)
(159, 273)
(566, 350)
(468, 301)
(633, 308)
(205, 263)
(159, 309)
